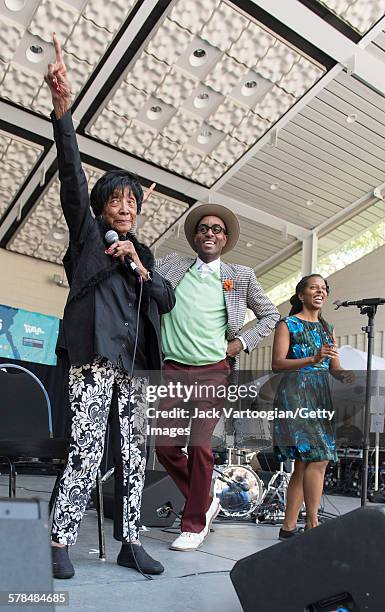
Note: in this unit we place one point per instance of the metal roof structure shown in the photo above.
(275, 108)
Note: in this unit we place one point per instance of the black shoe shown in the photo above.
(147, 564)
(61, 565)
(286, 535)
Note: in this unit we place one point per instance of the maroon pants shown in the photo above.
(192, 473)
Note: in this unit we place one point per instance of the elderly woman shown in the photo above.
(110, 332)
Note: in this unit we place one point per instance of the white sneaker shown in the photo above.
(211, 514)
(188, 541)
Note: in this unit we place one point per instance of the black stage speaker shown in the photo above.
(340, 566)
(159, 492)
(25, 551)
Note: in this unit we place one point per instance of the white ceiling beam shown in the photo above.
(355, 208)
(259, 216)
(378, 193)
(154, 174)
(101, 152)
(325, 37)
(278, 258)
(243, 210)
(17, 116)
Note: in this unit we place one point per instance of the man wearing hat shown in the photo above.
(201, 342)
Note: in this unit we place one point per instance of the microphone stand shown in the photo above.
(367, 307)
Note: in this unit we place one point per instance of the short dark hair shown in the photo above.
(109, 183)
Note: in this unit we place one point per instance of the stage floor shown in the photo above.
(192, 582)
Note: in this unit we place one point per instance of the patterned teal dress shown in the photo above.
(304, 396)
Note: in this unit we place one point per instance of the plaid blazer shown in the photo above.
(243, 291)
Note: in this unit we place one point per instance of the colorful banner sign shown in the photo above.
(28, 336)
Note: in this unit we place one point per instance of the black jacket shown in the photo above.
(86, 263)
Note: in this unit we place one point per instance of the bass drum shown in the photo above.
(239, 490)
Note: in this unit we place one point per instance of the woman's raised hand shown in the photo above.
(58, 82)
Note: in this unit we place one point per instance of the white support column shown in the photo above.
(309, 254)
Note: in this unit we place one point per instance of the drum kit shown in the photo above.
(249, 482)
(246, 491)
(345, 477)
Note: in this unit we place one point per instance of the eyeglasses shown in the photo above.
(216, 228)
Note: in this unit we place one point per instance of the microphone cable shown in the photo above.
(147, 576)
(110, 238)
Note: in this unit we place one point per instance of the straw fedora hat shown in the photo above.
(213, 210)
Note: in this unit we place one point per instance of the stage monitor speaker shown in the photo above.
(340, 566)
(159, 493)
(25, 551)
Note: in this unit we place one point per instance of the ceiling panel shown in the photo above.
(205, 87)
(17, 159)
(85, 28)
(361, 15)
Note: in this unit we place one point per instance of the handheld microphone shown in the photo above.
(110, 237)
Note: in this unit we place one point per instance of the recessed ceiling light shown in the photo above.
(201, 100)
(251, 89)
(310, 202)
(198, 57)
(154, 112)
(15, 5)
(274, 186)
(204, 136)
(58, 235)
(35, 54)
(248, 88)
(351, 118)
(205, 139)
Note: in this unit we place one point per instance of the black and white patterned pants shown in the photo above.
(91, 387)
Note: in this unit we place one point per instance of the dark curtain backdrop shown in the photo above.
(55, 381)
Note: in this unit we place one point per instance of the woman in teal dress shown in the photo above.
(304, 348)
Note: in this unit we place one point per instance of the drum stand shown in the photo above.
(273, 503)
(368, 307)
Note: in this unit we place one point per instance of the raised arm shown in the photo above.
(74, 195)
(58, 82)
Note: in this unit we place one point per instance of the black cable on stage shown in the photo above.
(129, 437)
